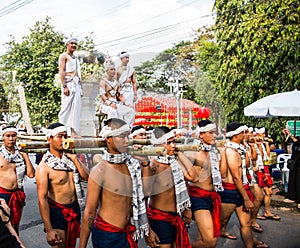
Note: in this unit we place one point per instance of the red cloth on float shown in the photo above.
(129, 230)
(182, 237)
(198, 192)
(16, 203)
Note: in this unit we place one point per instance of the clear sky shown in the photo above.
(116, 25)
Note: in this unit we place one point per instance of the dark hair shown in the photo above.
(137, 128)
(10, 126)
(203, 123)
(114, 123)
(55, 125)
(149, 128)
(160, 131)
(233, 126)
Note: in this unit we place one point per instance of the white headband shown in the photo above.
(73, 39)
(250, 129)
(9, 129)
(137, 132)
(108, 132)
(206, 128)
(177, 131)
(123, 55)
(163, 139)
(54, 131)
(260, 130)
(236, 131)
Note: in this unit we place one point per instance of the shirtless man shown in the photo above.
(263, 174)
(236, 195)
(14, 165)
(71, 91)
(115, 193)
(127, 79)
(249, 143)
(206, 202)
(114, 104)
(164, 182)
(58, 188)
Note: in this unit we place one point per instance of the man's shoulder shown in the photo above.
(100, 167)
(232, 154)
(63, 55)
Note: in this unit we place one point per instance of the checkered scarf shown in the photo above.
(181, 193)
(250, 171)
(242, 151)
(214, 167)
(139, 214)
(65, 164)
(20, 163)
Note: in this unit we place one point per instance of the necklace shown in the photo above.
(72, 56)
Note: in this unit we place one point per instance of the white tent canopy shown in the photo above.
(281, 104)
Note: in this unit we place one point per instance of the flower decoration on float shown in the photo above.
(203, 113)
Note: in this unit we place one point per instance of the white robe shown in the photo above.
(122, 112)
(127, 88)
(70, 111)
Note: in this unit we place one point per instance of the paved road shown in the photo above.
(278, 234)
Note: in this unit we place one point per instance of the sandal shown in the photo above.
(272, 217)
(228, 236)
(257, 229)
(260, 244)
(6, 214)
(259, 217)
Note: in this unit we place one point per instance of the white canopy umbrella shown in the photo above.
(281, 104)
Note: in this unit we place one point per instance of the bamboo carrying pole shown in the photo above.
(99, 142)
(144, 151)
(84, 143)
(33, 145)
(35, 137)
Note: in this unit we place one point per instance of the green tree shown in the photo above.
(258, 54)
(4, 104)
(169, 65)
(35, 59)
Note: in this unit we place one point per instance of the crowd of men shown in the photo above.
(154, 196)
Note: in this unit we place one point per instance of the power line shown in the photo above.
(102, 14)
(9, 5)
(9, 9)
(152, 17)
(149, 32)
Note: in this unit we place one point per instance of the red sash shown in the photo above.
(264, 178)
(16, 203)
(229, 186)
(129, 230)
(70, 216)
(216, 214)
(182, 237)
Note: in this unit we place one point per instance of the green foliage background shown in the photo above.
(258, 54)
(35, 59)
(252, 51)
